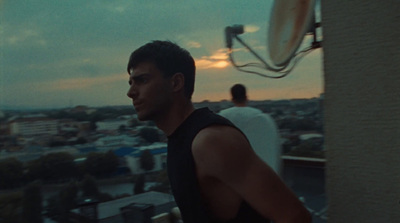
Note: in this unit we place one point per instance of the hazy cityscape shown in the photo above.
(54, 163)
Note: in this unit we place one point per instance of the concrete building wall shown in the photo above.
(362, 109)
(34, 127)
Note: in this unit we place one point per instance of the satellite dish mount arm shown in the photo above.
(233, 32)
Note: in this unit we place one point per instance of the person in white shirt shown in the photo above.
(260, 128)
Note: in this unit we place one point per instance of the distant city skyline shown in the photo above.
(68, 53)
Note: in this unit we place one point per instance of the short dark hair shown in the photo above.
(169, 58)
(238, 92)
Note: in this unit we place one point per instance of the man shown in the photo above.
(215, 176)
(259, 127)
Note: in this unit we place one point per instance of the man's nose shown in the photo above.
(132, 92)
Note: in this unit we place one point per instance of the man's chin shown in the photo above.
(143, 120)
(143, 117)
(140, 118)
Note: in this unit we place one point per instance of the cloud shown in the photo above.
(202, 64)
(23, 36)
(220, 54)
(89, 91)
(219, 59)
(193, 44)
(82, 83)
(251, 28)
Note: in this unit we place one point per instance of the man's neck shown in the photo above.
(240, 104)
(174, 117)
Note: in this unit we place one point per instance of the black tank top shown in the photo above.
(182, 171)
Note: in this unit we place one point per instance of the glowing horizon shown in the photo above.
(54, 53)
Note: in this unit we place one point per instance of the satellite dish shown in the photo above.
(289, 22)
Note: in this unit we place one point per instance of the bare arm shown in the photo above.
(223, 152)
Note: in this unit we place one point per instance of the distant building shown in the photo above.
(112, 142)
(33, 125)
(137, 208)
(68, 127)
(82, 109)
(4, 129)
(111, 126)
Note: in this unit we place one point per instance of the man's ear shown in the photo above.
(178, 82)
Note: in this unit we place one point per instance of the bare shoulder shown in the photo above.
(218, 134)
(221, 148)
(219, 139)
(224, 154)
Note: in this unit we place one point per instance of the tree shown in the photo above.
(90, 190)
(33, 170)
(101, 164)
(307, 149)
(89, 187)
(297, 124)
(55, 166)
(81, 140)
(10, 207)
(163, 184)
(112, 162)
(122, 128)
(53, 208)
(11, 173)
(147, 160)
(32, 203)
(149, 134)
(68, 196)
(139, 185)
(134, 122)
(279, 112)
(59, 205)
(93, 126)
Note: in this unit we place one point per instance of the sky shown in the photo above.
(57, 54)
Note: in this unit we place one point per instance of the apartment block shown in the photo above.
(33, 126)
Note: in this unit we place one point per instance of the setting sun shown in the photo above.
(221, 64)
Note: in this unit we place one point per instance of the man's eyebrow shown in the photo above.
(139, 76)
